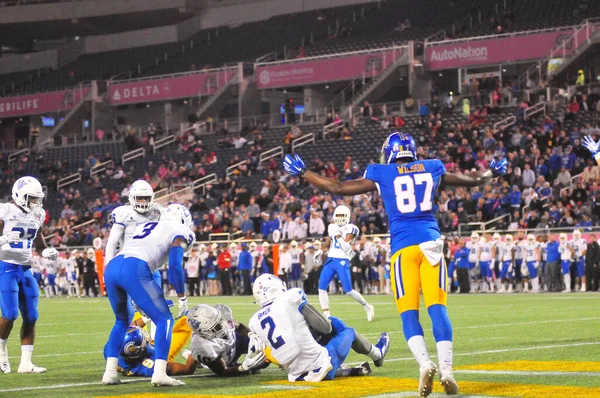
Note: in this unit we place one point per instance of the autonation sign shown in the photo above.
(494, 50)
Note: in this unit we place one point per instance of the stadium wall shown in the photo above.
(32, 61)
(131, 39)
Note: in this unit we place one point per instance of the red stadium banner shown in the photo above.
(198, 84)
(307, 71)
(34, 104)
(499, 50)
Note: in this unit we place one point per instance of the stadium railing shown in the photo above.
(68, 180)
(201, 183)
(271, 153)
(15, 155)
(163, 142)
(76, 227)
(100, 167)
(136, 153)
(485, 226)
(535, 109)
(506, 122)
(303, 140)
(231, 169)
(330, 128)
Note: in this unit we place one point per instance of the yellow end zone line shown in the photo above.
(370, 386)
(538, 366)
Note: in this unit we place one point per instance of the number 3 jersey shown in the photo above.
(27, 224)
(407, 191)
(152, 241)
(281, 326)
(131, 219)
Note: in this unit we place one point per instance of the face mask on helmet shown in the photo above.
(28, 194)
(135, 343)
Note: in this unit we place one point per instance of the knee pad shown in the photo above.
(442, 328)
(410, 324)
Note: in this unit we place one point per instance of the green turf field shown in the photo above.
(554, 338)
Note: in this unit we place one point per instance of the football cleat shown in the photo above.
(316, 375)
(5, 366)
(370, 312)
(383, 345)
(447, 380)
(164, 380)
(111, 378)
(426, 374)
(30, 368)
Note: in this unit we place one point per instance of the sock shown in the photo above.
(444, 350)
(358, 297)
(152, 327)
(2, 346)
(535, 284)
(160, 367)
(26, 353)
(567, 282)
(324, 300)
(374, 353)
(111, 364)
(419, 349)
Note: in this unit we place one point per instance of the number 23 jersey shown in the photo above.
(152, 241)
(407, 191)
(27, 225)
(281, 326)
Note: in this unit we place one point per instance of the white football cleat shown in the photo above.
(30, 368)
(370, 310)
(111, 378)
(426, 375)
(447, 380)
(316, 375)
(164, 380)
(566, 291)
(4, 364)
(583, 289)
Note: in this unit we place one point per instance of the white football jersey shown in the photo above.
(281, 326)
(507, 251)
(295, 255)
(235, 255)
(580, 246)
(387, 254)
(374, 253)
(36, 264)
(543, 250)
(152, 241)
(205, 350)
(335, 250)
(519, 250)
(130, 219)
(309, 261)
(203, 258)
(27, 224)
(485, 251)
(473, 251)
(530, 251)
(63, 263)
(50, 266)
(499, 247)
(565, 253)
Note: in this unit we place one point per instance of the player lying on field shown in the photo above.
(137, 355)
(282, 324)
(219, 341)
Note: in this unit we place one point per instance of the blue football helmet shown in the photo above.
(398, 146)
(135, 343)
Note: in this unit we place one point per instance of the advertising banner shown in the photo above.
(33, 104)
(172, 87)
(496, 50)
(324, 70)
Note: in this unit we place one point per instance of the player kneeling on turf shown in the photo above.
(282, 326)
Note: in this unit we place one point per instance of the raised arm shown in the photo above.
(294, 166)
(476, 178)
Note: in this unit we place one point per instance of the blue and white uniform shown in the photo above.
(474, 247)
(16, 277)
(507, 260)
(338, 260)
(579, 247)
(282, 327)
(519, 255)
(131, 273)
(531, 259)
(485, 258)
(296, 264)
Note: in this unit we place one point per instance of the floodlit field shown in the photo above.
(506, 346)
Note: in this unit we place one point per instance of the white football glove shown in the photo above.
(252, 361)
(50, 253)
(182, 305)
(10, 237)
(317, 255)
(256, 344)
(524, 270)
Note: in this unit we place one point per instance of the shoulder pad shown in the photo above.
(333, 230)
(119, 215)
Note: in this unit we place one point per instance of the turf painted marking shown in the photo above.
(526, 373)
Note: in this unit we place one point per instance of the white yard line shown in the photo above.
(526, 373)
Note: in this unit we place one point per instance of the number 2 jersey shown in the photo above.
(281, 326)
(27, 225)
(335, 250)
(407, 191)
(152, 241)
